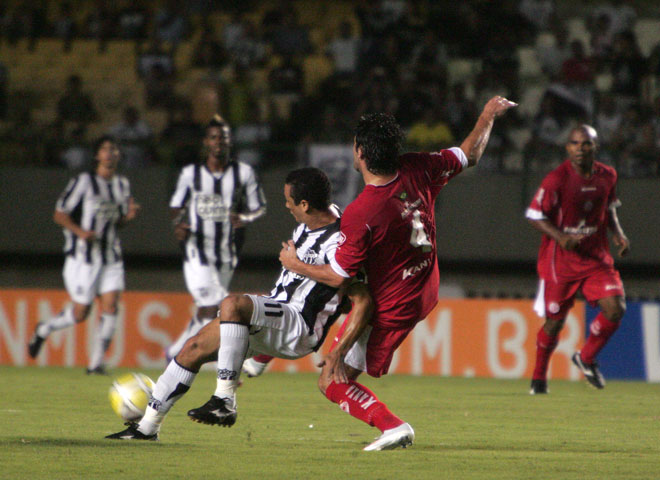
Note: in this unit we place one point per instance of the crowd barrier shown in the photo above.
(471, 337)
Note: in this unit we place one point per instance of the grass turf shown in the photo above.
(53, 420)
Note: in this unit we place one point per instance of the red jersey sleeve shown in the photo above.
(545, 201)
(439, 167)
(353, 244)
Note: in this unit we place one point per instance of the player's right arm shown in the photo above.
(475, 143)
(179, 202)
(319, 273)
(64, 220)
(71, 199)
(334, 368)
(566, 241)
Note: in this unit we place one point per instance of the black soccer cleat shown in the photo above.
(100, 370)
(538, 387)
(217, 411)
(590, 371)
(34, 346)
(132, 433)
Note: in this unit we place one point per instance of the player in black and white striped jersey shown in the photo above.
(90, 211)
(211, 205)
(290, 323)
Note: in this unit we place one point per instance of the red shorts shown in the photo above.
(374, 355)
(558, 298)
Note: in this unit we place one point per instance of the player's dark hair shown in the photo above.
(380, 137)
(220, 122)
(98, 143)
(310, 184)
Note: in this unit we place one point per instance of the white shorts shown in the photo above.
(84, 281)
(278, 330)
(207, 285)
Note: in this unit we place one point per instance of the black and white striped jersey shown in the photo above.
(209, 199)
(95, 204)
(319, 304)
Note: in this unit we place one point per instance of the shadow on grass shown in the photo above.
(77, 442)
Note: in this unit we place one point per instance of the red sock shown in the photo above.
(600, 331)
(262, 358)
(545, 345)
(360, 402)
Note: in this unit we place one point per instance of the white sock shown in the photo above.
(194, 326)
(170, 387)
(62, 320)
(103, 339)
(233, 347)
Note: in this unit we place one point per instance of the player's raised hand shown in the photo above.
(497, 105)
(623, 244)
(288, 256)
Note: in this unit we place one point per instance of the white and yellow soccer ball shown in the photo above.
(129, 395)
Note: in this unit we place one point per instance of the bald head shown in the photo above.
(588, 130)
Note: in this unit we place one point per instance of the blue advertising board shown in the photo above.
(633, 352)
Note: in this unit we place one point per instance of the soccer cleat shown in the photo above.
(217, 411)
(252, 368)
(590, 371)
(34, 346)
(100, 370)
(539, 387)
(132, 433)
(400, 436)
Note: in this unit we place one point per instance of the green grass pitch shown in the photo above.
(53, 420)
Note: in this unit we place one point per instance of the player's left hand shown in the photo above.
(288, 256)
(236, 221)
(623, 244)
(334, 369)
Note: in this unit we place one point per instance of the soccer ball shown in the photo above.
(129, 395)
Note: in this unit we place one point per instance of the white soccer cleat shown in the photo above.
(252, 368)
(401, 436)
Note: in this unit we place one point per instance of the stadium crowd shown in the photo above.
(289, 73)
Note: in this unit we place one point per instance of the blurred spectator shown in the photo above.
(156, 66)
(232, 32)
(607, 122)
(290, 38)
(132, 22)
(77, 155)
(544, 147)
(552, 56)
(170, 23)
(627, 67)
(181, 136)
(99, 24)
(429, 59)
(460, 111)
(236, 94)
(65, 26)
(286, 86)
(249, 50)
(602, 38)
(635, 144)
(430, 133)
(538, 13)
(208, 51)
(74, 105)
(384, 54)
(156, 54)
(251, 136)
(134, 138)
(621, 14)
(578, 69)
(344, 49)
(4, 89)
(26, 20)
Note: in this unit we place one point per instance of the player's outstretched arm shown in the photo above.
(619, 238)
(334, 369)
(475, 143)
(319, 273)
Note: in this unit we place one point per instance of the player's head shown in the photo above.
(378, 140)
(307, 188)
(582, 145)
(106, 152)
(217, 137)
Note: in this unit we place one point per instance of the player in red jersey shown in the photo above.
(573, 209)
(389, 231)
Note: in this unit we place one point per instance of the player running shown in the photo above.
(573, 209)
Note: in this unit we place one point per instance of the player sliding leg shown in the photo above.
(174, 383)
(600, 331)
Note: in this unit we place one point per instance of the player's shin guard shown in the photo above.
(170, 387)
(600, 331)
(545, 345)
(361, 403)
(233, 347)
(103, 339)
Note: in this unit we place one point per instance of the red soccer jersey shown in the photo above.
(578, 205)
(390, 231)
